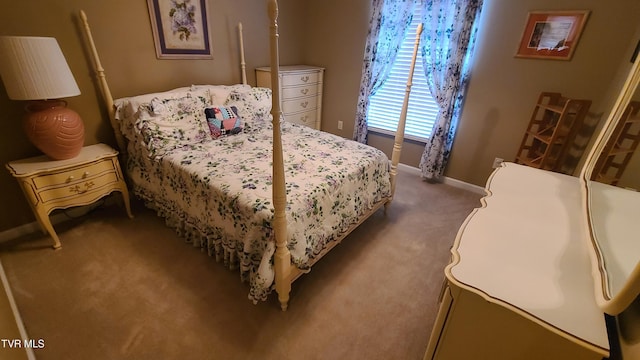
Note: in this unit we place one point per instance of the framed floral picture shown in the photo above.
(552, 34)
(180, 29)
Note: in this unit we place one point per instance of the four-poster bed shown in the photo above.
(273, 220)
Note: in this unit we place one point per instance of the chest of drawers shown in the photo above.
(300, 93)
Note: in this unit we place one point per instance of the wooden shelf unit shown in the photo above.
(621, 146)
(553, 127)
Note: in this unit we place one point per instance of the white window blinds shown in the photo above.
(386, 104)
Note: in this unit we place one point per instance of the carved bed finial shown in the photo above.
(243, 64)
(102, 82)
(272, 7)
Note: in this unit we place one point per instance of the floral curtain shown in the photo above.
(446, 44)
(387, 28)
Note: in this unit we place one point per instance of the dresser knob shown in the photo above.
(70, 178)
(304, 91)
(86, 173)
(304, 104)
(305, 78)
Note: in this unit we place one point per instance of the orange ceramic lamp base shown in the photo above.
(54, 129)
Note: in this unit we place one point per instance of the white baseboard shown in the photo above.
(19, 231)
(465, 185)
(449, 181)
(57, 218)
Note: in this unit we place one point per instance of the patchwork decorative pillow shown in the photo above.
(166, 124)
(223, 120)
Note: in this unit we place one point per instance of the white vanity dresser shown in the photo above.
(519, 285)
(535, 269)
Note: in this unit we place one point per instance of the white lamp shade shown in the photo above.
(34, 68)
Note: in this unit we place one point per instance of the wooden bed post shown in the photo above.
(104, 87)
(399, 138)
(282, 255)
(243, 66)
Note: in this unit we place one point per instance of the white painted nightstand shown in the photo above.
(59, 184)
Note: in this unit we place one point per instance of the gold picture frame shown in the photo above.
(180, 29)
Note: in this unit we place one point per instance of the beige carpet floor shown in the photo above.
(132, 289)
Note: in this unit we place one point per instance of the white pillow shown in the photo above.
(252, 104)
(220, 93)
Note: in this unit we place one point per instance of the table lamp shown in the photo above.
(34, 69)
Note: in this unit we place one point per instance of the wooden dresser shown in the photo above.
(301, 92)
(519, 285)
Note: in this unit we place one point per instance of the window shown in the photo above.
(386, 104)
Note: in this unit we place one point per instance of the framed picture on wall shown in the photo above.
(180, 29)
(552, 34)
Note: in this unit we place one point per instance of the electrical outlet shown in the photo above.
(496, 162)
(339, 125)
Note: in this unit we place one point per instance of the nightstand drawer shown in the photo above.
(305, 118)
(300, 78)
(75, 174)
(301, 104)
(80, 188)
(299, 91)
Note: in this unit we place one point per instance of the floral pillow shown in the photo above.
(253, 104)
(167, 124)
(223, 120)
(127, 109)
(220, 93)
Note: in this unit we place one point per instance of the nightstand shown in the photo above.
(60, 184)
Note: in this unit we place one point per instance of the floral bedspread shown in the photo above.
(217, 194)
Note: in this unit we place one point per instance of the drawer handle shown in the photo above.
(79, 190)
(71, 177)
(304, 91)
(305, 78)
(304, 118)
(304, 104)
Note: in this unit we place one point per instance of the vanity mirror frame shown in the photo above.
(611, 302)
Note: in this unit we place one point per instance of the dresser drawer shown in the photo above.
(301, 104)
(74, 174)
(307, 118)
(293, 79)
(299, 91)
(80, 188)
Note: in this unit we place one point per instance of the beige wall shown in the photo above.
(502, 90)
(122, 33)
(328, 33)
